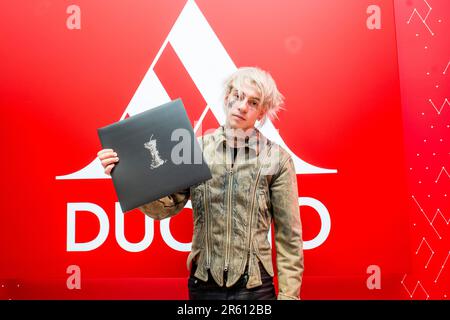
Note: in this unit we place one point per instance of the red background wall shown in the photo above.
(357, 100)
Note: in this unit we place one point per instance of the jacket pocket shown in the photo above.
(198, 244)
(265, 258)
(197, 197)
(265, 218)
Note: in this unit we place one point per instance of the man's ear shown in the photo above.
(261, 115)
(225, 101)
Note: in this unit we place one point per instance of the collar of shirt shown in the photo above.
(252, 139)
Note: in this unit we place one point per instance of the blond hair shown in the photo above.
(272, 100)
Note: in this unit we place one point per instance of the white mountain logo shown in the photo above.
(208, 64)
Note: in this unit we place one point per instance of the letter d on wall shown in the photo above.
(72, 208)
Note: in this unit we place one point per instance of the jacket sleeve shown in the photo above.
(288, 231)
(167, 206)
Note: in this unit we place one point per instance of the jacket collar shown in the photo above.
(253, 139)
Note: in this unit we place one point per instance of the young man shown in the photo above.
(253, 183)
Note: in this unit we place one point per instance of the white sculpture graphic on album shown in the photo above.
(154, 154)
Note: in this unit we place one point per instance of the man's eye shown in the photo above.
(254, 103)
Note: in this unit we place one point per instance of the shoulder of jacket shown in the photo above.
(205, 139)
(278, 151)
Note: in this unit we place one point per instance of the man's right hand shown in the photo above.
(108, 159)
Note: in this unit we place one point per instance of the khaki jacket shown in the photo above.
(234, 210)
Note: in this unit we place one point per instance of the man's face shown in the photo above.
(243, 108)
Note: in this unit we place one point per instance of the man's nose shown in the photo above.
(243, 106)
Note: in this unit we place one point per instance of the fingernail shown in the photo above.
(115, 154)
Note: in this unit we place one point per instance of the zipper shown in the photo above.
(208, 257)
(229, 213)
(252, 206)
(251, 214)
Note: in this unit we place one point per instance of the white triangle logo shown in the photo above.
(208, 64)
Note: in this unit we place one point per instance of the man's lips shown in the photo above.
(238, 116)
